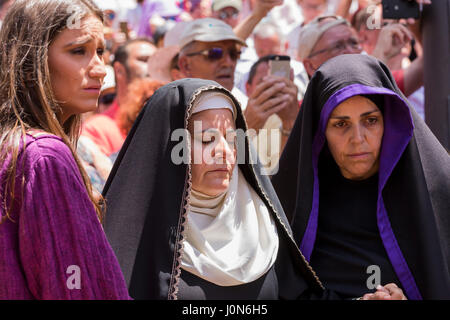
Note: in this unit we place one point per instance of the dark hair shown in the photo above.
(252, 72)
(160, 32)
(377, 99)
(121, 54)
(174, 62)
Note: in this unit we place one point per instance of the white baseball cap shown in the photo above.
(208, 30)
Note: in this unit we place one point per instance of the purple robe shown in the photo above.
(56, 247)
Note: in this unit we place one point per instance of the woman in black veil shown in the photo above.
(187, 229)
(177, 237)
(365, 184)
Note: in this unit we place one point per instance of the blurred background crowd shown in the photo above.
(152, 42)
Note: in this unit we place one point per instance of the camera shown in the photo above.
(400, 9)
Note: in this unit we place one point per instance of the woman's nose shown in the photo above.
(357, 134)
(223, 150)
(98, 69)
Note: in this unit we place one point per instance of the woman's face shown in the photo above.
(354, 133)
(213, 152)
(75, 60)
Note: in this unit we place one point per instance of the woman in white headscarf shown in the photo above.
(190, 215)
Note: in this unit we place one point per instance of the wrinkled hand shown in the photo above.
(389, 292)
(262, 7)
(392, 38)
(269, 97)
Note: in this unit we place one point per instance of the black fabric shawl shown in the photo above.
(413, 208)
(146, 198)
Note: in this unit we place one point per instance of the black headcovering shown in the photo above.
(413, 208)
(146, 196)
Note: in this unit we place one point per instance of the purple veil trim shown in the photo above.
(395, 139)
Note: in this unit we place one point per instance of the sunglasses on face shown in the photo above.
(225, 15)
(215, 54)
(111, 16)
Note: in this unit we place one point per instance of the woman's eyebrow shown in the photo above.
(347, 117)
(83, 41)
(210, 130)
(79, 42)
(367, 113)
(340, 117)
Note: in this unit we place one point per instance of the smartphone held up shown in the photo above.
(400, 9)
(280, 66)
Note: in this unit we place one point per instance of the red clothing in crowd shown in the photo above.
(104, 130)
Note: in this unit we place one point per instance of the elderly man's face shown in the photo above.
(267, 45)
(229, 15)
(195, 63)
(337, 40)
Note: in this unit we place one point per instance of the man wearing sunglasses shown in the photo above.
(210, 50)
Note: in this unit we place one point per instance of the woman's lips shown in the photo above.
(361, 155)
(220, 170)
(93, 90)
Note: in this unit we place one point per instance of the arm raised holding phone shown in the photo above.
(268, 95)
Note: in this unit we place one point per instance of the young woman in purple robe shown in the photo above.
(52, 245)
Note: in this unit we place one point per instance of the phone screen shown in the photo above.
(280, 66)
(400, 9)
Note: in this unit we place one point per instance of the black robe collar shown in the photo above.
(146, 198)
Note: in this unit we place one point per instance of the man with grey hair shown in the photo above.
(324, 38)
(329, 36)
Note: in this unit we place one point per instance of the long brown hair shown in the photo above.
(138, 92)
(26, 98)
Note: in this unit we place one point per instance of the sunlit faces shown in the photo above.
(267, 45)
(229, 15)
(199, 66)
(312, 8)
(340, 39)
(137, 63)
(354, 134)
(369, 32)
(262, 70)
(75, 60)
(213, 140)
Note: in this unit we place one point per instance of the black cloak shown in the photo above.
(413, 206)
(146, 198)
